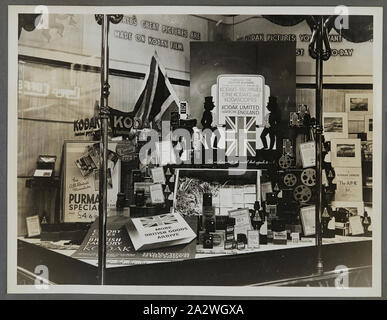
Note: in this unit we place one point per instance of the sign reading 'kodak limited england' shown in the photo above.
(241, 96)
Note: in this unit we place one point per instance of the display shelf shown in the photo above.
(219, 270)
(43, 182)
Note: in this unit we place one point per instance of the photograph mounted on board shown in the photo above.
(357, 105)
(335, 125)
(346, 153)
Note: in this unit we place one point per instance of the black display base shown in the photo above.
(137, 212)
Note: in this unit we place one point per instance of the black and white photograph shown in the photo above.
(345, 150)
(335, 125)
(175, 132)
(358, 105)
(346, 153)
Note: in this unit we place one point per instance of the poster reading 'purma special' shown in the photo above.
(81, 181)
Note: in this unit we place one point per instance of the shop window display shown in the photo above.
(211, 152)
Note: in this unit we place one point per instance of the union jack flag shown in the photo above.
(156, 95)
(157, 221)
(241, 136)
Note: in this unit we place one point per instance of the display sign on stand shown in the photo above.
(241, 96)
(81, 183)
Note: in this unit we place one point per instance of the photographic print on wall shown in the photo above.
(357, 105)
(335, 125)
(346, 153)
(368, 126)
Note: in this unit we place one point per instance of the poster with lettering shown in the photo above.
(349, 184)
(81, 181)
(241, 96)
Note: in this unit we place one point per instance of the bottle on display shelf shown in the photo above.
(263, 232)
(257, 220)
(263, 210)
(208, 213)
(325, 218)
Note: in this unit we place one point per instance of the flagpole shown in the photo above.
(103, 20)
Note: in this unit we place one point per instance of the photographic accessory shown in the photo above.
(230, 225)
(208, 212)
(285, 162)
(139, 198)
(241, 241)
(229, 244)
(183, 110)
(287, 147)
(271, 198)
(263, 233)
(280, 237)
(290, 179)
(208, 241)
(302, 193)
(308, 177)
(121, 200)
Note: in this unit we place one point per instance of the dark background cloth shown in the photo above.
(276, 61)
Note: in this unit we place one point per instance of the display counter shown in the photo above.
(244, 267)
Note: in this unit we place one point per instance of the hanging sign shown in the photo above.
(241, 96)
(121, 123)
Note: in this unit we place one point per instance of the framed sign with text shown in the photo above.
(241, 96)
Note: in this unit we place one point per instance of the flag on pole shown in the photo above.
(156, 95)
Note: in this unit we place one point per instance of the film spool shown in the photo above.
(290, 179)
(308, 177)
(285, 162)
(302, 193)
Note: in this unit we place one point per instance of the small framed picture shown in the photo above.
(353, 208)
(368, 126)
(357, 105)
(33, 226)
(335, 125)
(346, 152)
(308, 220)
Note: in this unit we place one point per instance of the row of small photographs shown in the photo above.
(335, 125)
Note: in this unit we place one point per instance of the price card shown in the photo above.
(253, 239)
(158, 175)
(156, 193)
(33, 226)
